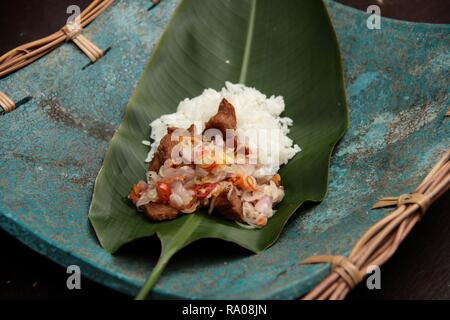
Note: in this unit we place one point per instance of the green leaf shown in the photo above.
(284, 48)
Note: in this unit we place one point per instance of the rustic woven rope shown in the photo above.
(342, 266)
(73, 33)
(27, 53)
(6, 103)
(381, 241)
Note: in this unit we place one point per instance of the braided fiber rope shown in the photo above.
(6, 103)
(381, 241)
(27, 53)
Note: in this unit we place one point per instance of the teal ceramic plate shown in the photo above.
(52, 148)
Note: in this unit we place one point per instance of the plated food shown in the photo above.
(221, 152)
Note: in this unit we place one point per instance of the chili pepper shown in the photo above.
(245, 183)
(163, 190)
(277, 179)
(202, 191)
(134, 194)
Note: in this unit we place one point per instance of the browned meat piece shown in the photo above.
(224, 119)
(164, 150)
(230, 209)
(160, 212)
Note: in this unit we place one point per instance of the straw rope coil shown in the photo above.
(27, 53)
(381, 241)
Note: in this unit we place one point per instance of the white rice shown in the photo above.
(255, 113)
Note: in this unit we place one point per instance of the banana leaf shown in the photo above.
(283, 48)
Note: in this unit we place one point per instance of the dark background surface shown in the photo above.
(419, 270)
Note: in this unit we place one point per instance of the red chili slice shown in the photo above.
(163, 190)
(134, 194)
(202, 191)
